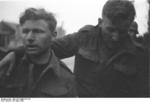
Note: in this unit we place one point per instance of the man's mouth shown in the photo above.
(31, 47)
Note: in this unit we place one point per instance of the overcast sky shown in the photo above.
(72, 13)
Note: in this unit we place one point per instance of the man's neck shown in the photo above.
(41, 58)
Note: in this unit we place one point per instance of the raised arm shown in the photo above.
(6, 64)
(66, 46)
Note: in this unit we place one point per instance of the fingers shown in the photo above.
(11, 66)
(7, 60)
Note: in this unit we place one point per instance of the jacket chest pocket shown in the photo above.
(126, 66)
(124, 63)
(124, 69)
(52, 88)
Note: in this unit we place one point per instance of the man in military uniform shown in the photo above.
(38, 73)
(107, 63)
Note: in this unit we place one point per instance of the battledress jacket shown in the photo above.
(55, 80)
(124, 74)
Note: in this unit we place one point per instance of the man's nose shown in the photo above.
(30, 37)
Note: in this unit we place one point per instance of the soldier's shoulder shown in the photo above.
(86, 28)
(89, 35)
(89, 31)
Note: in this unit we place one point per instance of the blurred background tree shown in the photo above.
(60, 30)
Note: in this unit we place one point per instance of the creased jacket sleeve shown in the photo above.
(66, 46)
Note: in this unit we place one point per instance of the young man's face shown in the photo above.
(37, 36)
(113, 34)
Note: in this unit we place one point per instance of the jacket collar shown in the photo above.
(53, 64)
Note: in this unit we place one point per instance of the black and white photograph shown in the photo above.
(74, 49)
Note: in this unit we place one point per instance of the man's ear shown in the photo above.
(100, 23)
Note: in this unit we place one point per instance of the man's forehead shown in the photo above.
(35, 24)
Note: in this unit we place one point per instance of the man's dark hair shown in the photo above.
(35, 14)
(119, 10)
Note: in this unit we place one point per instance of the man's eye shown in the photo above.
(25, 31)
(38, 31)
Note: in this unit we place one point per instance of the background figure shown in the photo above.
(133, 32)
